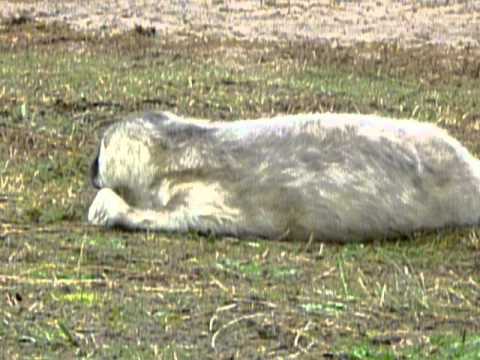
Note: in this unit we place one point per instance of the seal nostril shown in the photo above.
(94, 173)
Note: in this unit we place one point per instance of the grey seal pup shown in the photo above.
(333, 177)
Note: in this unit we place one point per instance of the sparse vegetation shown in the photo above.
(70, 289)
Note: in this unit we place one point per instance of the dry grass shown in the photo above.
(73, 290)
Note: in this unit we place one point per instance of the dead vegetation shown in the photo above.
(72, 290)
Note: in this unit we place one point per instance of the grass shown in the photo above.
(69, 289)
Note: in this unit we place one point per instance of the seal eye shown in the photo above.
(94, 172)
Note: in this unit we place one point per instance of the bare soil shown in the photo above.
(453, 23)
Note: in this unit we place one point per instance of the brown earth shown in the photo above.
(447, 22)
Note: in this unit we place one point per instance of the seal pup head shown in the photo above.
(125, 154)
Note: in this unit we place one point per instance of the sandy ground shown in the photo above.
(344, 22)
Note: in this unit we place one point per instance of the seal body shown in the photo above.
(336, 177)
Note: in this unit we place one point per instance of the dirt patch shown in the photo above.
(455, 23)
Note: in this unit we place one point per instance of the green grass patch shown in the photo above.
(84, 298)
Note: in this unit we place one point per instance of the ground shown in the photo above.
(344, 22)
(68, 289)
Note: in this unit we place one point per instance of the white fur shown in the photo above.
(341, 177)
